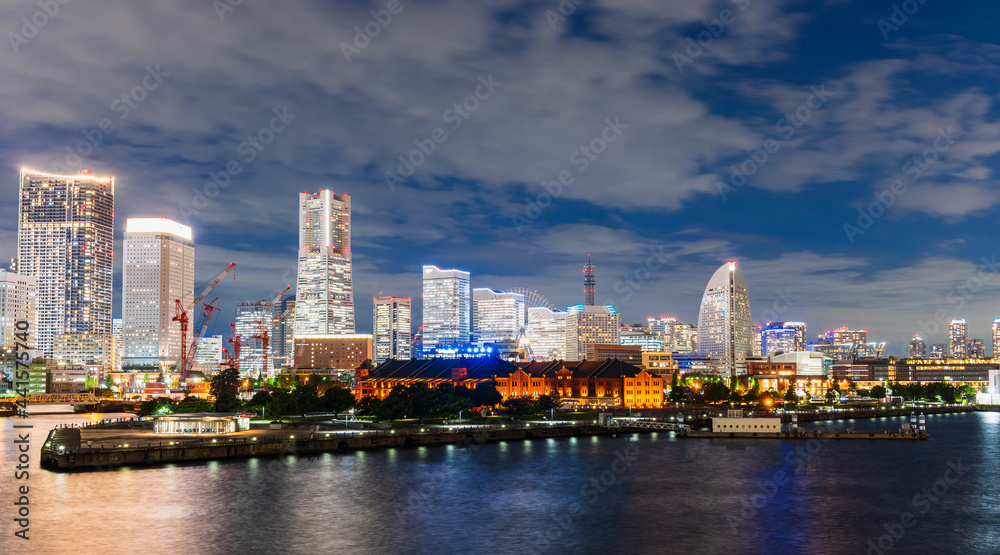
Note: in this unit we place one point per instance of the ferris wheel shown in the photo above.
(532, 298)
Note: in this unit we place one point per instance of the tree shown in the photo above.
(832, 396)
(853, 388)
(546, 403)
(160, 405)
(193, 404)
(366, 365)
(715, 391)
(486, 395)
(108, 381)
(367, 405)
(338, 399)
(878, 392)
(790, 395)
(259, 401)
(518, 406)
(225, 382)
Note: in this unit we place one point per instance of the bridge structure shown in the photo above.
(58, 399)
(630, 423)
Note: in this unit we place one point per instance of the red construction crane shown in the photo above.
(232, 359)
(262, 332)
(206, 316)
(181, 313)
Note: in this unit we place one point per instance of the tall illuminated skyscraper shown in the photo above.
(17, 304)
(496, 317)
(158, 268)
(724, 331)
(917, 348)
(591, 325)
(996, 338)
(283, 333)
(65, 240)
(324, 291)
(391, 326)
(251, 318)
(958, 338)
(446, 306)
(546, 329)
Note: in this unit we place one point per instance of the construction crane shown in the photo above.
(206, 316)
(181, 312)
(262, 331)
(232, 360)
(280, 317)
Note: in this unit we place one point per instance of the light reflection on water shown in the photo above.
(675, 496)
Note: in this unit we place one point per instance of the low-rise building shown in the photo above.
(334, 352)
(631, 354)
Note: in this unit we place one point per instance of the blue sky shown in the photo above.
(842, 104)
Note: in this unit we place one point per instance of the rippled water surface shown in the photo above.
(648, 494)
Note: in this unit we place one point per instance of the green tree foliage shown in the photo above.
(338, 399)
(546, 403)
(679, 394)
(157, 406)
(258, 402)
(715, 391)
(518, 406)
(366, 365)
(193, 404)
(367, 405)
(226, 382)
(486, 395)
(791, 396)
(878, 392)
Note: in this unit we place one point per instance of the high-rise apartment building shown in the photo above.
(250, 316)
(776, 337)
(996, 339)
(391, 325)
(939, 350)
(116, 342)
(958, 339)
(758, 339)
(724, 331)
(976, 348)
(800, 334)
(496, 317)
(157, 270)
(678, 337)
(446, 308)
(17, 304)
(917, 348)
(546, 330)
(324, 291)
(65, 240)
(589, 325)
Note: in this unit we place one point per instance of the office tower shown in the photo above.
(678, 337)
(446, 307)
(282, 333)
(116, 342)
(589, 325)
(391, 326)
(724, 331)
(589, 283)
(958, 340)
(17, 304)
(324, 301)
(776, 337)
(939, 350)
(976, 348)
(158, 269)
(996, 338)
(65, 240)
(842, 335)
(496, 317)
(642, 337)
(758, 339)
(917, 347)
(546, 329)
(800, 334)
(249, 316)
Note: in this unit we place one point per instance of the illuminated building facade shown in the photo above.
(496, 317)
(642, 337)
(590, 325)
(324, 302)
(116, 342)
(776, 337)
(332, 352)
(18, 303)
(282, 333)
(758, 339)
(996, 339)
(65, 240)
(800, 334)
(158, 268)
(631, 354)
(446, 308)
(724, 331)
(391, 321)
(917, 348)
(546, 329)
(249, 316)
(678, 337)
(976, 348)
(958, 339)
(938, 350)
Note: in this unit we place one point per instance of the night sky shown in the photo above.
(819, 107)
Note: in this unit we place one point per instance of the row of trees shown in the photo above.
(420, 402)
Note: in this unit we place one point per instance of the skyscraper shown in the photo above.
(591, 325)
(939, 350)
(546, 329)
(917, 347)
(65, 240)
(724, 331)
(391, 326)
(958, 339)
(496, 317)
(976, 348)
(446, 307)
(758, 340)
(249, 316)
(678, 337)
(800, 334)
(589, 283)
(776, 336)
(158, 269)
(996, 338)
(324, 301)
(17, 304)
(282, 333)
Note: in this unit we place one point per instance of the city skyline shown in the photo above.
(215, 144)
